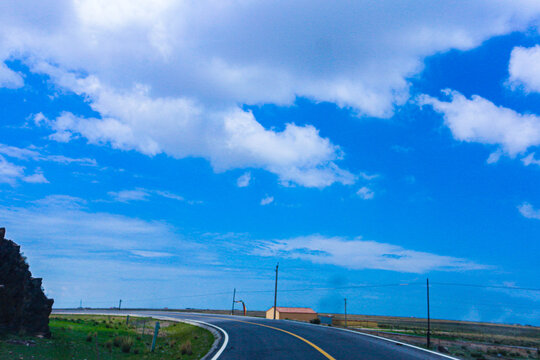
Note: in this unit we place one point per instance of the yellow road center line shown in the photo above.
(328, 356)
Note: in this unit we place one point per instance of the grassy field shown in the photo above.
(109, 337)
(464, 339)
(502, 334)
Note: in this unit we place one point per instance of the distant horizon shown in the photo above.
(239, 313)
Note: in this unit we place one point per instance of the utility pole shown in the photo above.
(233, 301)
(120, 304)
(428, 320)
(345, 312)
(275, 292)
(80, 304)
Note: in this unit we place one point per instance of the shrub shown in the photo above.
(109, 344)
(126, 344)
(89, 337)
(315, 321)
(135, 351)
(186, 348)
(117, 341)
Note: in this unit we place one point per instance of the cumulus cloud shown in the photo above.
(363, 254)
(524, 68)
(253, 52)
(244, 179)
(180, 128)
(479, 120)
(365, 193)
(169, 76)
(36, 178)
(529, 211)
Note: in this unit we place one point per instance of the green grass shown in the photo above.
(108, 337)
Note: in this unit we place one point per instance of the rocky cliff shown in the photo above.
(24, 308)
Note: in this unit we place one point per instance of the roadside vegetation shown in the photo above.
(463, 339)
(109, 337)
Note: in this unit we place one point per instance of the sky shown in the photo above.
(167, 152)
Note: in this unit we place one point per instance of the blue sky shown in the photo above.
(155, 153)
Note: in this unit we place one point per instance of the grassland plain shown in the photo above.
(109, 337)
(463, 339)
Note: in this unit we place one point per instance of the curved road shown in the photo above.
(261, 339)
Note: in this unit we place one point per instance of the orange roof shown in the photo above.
(295, 310)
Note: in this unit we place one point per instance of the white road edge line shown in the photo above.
(216, 355)
(355, 332)
(396, 342)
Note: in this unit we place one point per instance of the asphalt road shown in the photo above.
(261, 339)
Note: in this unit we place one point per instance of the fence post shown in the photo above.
(156, 331)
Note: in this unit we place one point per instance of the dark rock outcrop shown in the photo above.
(24, 308)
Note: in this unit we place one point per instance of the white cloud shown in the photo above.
(231, 139)
(267, 200)
(363, 254)
(18, 153)
(34, 154)
(167, 77)
(479, 120)
(9, 172)
(9, 78)
(494, 156)
(141, 194)
(169, 195)
(524, 68)
(365, 193)
(244, 179)
(253, 52)
(530, 159)
(50, 224)
(61, 202)
(129, 195)
(368, 177)
(529, 211)
(36, 178)
(151, 254)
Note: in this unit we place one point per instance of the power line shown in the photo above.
(487, 286)
(363, 286)
(332, 288)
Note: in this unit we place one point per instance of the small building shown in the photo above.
(326, 319)
(292, 313)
